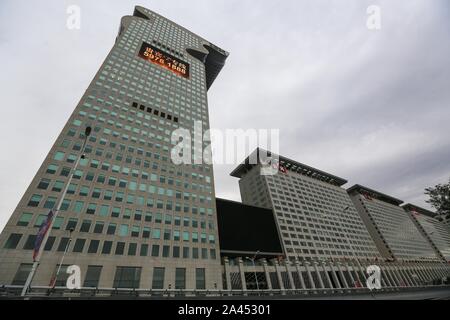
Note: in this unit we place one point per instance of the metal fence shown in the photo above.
(11, 291)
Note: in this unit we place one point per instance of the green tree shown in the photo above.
(440, 198)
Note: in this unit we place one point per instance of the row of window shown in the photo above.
(124, 229)
(157, 218)
(125, 277)
(120, 248)
(119, 197)
(79, 173)
(156, 112)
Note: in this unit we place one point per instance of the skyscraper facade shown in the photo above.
(435, 231)
(392, 229)
(315, 215)
(138, 220)
(324, 240)
(327, 235)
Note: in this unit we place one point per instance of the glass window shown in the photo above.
(108, 195)
(50, 203)
(63, 244)
(72, 188)
(176, 252)
(65, 205)
(50, 243)
(98, 228)
(78, 174)
(89, 176)
(13, 241)
(62, 276)
(138, 215)
(186, 252)
(96, 193)
(158, 278)
(107, 245)
(43, 184)
(65, 172)
(85, 226)
(58, 223)
(58, 156)
(51, 169)
(71, 224)
(165, 251)
(200, 282)
(127, 277)
(29, 244)
(132, 249)
(155, 250)
(120, 247)
(101, 178)
(34, 201)
(104, 210)
(92, 276)
(91, 208)
(132, 185)
(156, 234)
(195, 253)
(25, 219)
(167, 233)
(41, 218)
(115, 212)
(144, 250)
(146, 232)
(119, 196)
(204, 253)
(22, 274)
(84, 191)
(180, 278)
(79, 245)
(112, 181)
(123, 231)
(93, 246)
(111, 228)
(78, 207)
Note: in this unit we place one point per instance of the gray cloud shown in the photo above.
(371, 106)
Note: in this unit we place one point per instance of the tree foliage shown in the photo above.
(440, 198)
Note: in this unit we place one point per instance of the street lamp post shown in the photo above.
(53, 282)
(87, 132)
(254, 268)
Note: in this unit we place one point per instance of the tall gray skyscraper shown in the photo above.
(139, 221)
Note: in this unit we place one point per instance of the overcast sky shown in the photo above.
(371, 106)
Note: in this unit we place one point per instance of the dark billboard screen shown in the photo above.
(246, 229)
(164, 60)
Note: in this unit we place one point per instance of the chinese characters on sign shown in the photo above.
(165, 60)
